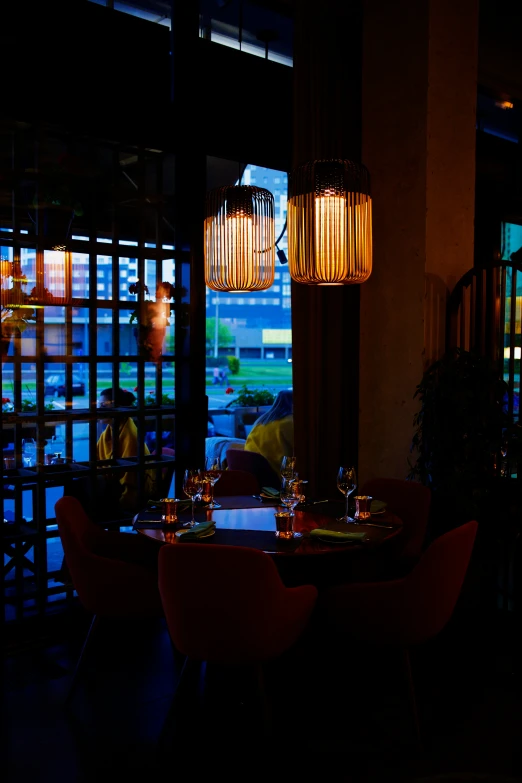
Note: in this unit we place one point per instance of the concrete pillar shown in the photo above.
(418, 141)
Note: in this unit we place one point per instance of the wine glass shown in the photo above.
(287, 470)
(192, 487)
(346, 483)
(212, 474)
(291, 493)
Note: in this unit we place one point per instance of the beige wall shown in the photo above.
(419, 95)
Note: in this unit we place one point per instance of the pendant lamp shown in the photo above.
(239, 239)
(53, 276)
(330, 223)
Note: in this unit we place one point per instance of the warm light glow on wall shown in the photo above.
(504, 104)
(330, 223)
(239, 239)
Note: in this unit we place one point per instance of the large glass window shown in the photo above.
(249, 336)
(239, 24)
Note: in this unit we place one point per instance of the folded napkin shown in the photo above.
(183, 505)
(377, 505)
(193, 533)
(320, 532)
(274, 493)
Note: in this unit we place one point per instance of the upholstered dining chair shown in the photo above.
(404, 612)
(114, 573)
(236, 482)
(410, 501)
(227, 606)
(252, 462)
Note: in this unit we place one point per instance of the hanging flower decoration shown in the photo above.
(152, 316)
(153, 312)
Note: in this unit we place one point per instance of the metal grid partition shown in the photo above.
(92, 299)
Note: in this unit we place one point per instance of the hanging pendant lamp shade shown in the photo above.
(57, 276)
(330, 223)
(239, 239)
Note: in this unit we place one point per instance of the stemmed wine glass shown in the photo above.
(346, 483)
(212, 474)
(287, 470)
(192, 487)
(291, 493)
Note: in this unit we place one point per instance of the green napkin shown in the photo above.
(320, 532)
(270, 491)
(193, 533)
(377, 505)
(183, 505)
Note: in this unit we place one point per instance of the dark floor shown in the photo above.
(338, 714)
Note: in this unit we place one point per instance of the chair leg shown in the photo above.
(81, 659)
(412, 698)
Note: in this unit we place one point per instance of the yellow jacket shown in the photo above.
(274, 441)
(127, 447)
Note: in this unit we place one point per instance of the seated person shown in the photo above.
(273, 433)
(123, 490)
(116, 492)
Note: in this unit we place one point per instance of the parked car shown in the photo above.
(54, 385)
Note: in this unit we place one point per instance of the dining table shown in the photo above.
(246, 520)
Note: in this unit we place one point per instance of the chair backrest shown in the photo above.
(409, 610)
(255, 463)
(237, 482)
(105, 586)
(167, 473)
(410, 501)
(434, 585)
(228, 604)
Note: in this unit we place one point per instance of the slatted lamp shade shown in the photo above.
(54, 275)
(330, 223)
(239, 239)
(6, 271)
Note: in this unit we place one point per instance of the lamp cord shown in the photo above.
(279, 238)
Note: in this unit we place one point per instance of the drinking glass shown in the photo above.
(291, 493)
(346, 483)
(287, 470)
(212, 474)
(192, 487)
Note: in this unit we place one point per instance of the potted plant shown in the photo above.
(247, 398)
(166, 399)
(459, 431)
(249, 404)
